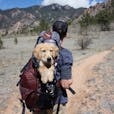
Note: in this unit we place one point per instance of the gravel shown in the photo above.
(14, 57)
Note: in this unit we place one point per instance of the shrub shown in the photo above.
(43, 25)
(84, 42)
(1, 43)
(15, 40)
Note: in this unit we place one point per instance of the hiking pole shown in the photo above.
(71, 90)
(60, 93)
(59, 100)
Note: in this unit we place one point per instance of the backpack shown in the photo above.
(35, 95)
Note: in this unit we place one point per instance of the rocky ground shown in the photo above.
(93, 74)
(94, 83)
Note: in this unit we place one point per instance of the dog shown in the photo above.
(46, 54)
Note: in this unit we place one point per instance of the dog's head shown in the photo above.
(46, 52)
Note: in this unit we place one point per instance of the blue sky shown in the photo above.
(8, 4)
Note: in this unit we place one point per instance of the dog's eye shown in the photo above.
(43, 50)
(51, 50)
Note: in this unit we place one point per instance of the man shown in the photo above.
(30, 85)
(64, 64)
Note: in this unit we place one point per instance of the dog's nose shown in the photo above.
(48, 59)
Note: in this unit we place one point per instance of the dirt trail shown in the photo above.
(82, 71)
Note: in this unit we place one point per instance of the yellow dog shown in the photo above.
(46, 54)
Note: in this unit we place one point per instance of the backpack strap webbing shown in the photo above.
(23, 106)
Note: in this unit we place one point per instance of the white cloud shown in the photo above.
(93, 2)
(73, 3)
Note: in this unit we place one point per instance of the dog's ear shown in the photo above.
(55, 52)
(36, 51)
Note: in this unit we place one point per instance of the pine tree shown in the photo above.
(103, 19)
(43, 25)
(112, 4)
(1, 43)
(112, 7)
(85, 22)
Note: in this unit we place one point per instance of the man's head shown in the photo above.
(61, 27)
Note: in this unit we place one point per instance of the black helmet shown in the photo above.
(61, 27)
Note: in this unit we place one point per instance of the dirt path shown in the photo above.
(82, 71)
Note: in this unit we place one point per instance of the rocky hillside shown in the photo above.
(93, 10)
(14, 20)
(99, 17)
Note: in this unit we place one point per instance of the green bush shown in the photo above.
(112, 10)
(1, 43)
(103, 18)
(43, 25)
(85, 21)
(15, 40)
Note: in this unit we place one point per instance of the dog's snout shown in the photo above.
(49, 59)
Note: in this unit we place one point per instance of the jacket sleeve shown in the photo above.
(67, 62)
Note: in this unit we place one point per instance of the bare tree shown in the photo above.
(84, 41)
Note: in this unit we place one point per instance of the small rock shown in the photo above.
(99, 112)
(93, 97)
(105, 104)
(89, 112)
(91, 81)
(112, 107)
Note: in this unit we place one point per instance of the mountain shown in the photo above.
(16, 19)
(93, 10)
(96, 9)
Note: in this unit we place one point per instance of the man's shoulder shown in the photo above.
(65, 51)
(66, 55)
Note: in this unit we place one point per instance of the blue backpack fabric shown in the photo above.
(64, 62)
(63, 71)
(55, 38)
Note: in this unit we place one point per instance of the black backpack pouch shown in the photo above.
(48, 95)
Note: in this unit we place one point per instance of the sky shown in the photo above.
(8, 4)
